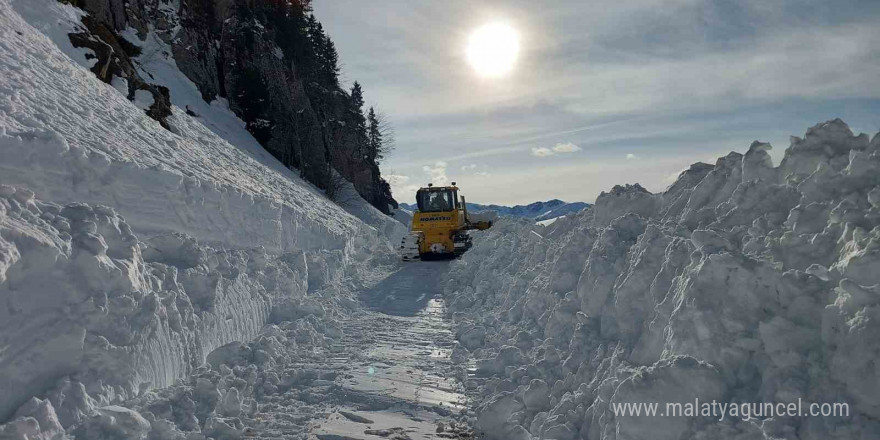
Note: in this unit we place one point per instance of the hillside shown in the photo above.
(268, 64)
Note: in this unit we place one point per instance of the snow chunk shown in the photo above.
(121, 85)
(143, 99)
(114, 423)
(35, 420)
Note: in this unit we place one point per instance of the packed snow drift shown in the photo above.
(741, 283)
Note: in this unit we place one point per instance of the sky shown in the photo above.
(601, 93)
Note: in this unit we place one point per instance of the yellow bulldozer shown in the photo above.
(440, 226)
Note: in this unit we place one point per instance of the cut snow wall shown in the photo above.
(156, 199)
(83, 297)
(741, 283)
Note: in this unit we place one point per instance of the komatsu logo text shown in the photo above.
(435, 219)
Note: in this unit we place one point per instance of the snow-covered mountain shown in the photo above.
(536, 211)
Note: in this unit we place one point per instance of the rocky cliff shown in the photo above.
(257, 55)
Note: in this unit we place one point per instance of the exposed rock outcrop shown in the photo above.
(254, 55)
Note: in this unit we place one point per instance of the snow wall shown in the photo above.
(129, 252)
(742, 282)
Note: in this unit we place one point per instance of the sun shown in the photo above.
(493, 49)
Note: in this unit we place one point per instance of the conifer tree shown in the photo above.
(357, 97)
(314, 36)
(356, 115)
(330, 59)
(374, 136)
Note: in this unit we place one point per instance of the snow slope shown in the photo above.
(91, 136)
(128, 252)
(742, 282)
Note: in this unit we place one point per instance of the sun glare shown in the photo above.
(492, 49)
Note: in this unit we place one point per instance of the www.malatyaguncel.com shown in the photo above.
(720, 410)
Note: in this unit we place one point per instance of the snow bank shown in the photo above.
(84, 297)
(742, 282)
(403, 216)
(129, 252)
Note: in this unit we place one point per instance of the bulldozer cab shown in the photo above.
(440, 199)
(440, 226)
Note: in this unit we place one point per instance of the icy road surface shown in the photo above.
(396, 377)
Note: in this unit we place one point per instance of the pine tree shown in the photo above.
(357, 97)
(356, 115)
(302, 5)
(374, 136)
(325, 66)
(330, 59)
(291, 25)
(314, 36)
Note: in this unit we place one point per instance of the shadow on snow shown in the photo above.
(407, 291)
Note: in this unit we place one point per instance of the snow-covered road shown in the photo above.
(393, 373)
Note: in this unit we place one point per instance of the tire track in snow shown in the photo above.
(396, 377)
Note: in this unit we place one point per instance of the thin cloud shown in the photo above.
(561, 148)
(567, 147)
(396, 179)
(630, 156)
(472, 168)
(542, 152)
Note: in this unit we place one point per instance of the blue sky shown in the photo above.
(602, 93)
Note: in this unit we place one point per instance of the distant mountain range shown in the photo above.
(537, 211)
